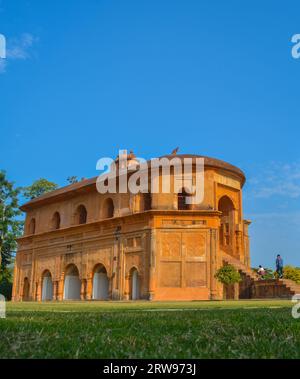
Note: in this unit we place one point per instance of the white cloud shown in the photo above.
(18, 49)
(277, 178)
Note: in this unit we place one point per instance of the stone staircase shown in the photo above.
(292, 286)
(254, 287)
(239, 266)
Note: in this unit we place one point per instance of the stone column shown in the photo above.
(55, 289)
(213, 264)
(38, 295)
(89, 288)
(216, 287)
(110, 287)
(60, 293)
(152, 263)
(83, 289)
(116, 265)
(236, 291)
(239, 245)
(21, 291)
(126, 289)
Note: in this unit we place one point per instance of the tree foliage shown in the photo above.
(10, 225)
(292, 273)
(6, 282)
(38, 188)
(228, 274)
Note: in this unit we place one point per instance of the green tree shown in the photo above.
(38, 188)
(228, 274)
(10, 230)
(6, 282)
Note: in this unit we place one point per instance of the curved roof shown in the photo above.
(211, 162)
(88, 184)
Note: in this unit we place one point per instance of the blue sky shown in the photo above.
(85, 78)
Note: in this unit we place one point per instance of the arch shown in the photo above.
(72, 283)
(56, 221)
(134, 293)
(31, 228)
(100, 283)
(81, 215)
(47, 286)
(108, 208)
(226, 206)
(26, 289)
(182, 197)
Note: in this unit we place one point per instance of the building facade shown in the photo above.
(80, 244)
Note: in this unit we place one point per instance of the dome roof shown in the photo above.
(88, 184)
(211, 162)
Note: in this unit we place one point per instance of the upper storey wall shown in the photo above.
(217, 183)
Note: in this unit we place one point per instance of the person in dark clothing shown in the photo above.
(279, 266)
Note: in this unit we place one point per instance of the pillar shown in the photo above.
(236, 291)
(38, 294)
(89, 288)
(55, 290)
(213, 264)
(60, 294)
(152, 264)
(127, 287)
(83, 289)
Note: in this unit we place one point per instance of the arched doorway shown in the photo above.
(100, 283)
(134, 284)
(47, 286)
(72, 285)
(226, 206)
(26, 288)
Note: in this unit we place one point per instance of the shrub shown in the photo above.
(292, 273)
(228, 274)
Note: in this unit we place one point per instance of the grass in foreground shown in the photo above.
(232, 329)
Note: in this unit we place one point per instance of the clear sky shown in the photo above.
(85, 78)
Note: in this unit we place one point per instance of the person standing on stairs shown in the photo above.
(279, 266)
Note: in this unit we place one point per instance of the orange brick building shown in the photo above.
(80, 244)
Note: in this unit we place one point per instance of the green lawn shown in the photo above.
(232, 329)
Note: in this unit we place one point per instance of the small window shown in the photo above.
(81, 215)
(32, 226)
(56, 221)
(182, 200)
(108, 208)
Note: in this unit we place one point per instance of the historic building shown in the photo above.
(80, 244)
